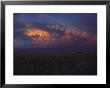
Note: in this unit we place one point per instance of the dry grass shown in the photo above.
(55, 64)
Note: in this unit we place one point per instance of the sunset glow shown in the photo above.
(36, 33)
(55, 31)
(43, 37)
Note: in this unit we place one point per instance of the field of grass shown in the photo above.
(55, 64)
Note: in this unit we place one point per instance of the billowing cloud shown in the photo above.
(60, 36)
(55, 30)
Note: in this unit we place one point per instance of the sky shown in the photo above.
(44, 32)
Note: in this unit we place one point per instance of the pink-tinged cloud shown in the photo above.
(61, 36)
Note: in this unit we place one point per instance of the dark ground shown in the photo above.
(55, 64)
